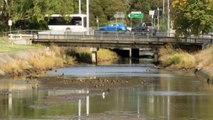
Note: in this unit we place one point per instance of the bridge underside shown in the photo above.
(129, 48)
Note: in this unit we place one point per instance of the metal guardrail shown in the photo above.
(107, 35)
(126, 36)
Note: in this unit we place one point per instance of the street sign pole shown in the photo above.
(87, 17)
(135, 14)
(152, 12)
(10, 22)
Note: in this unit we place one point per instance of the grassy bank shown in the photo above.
(204, 58)
(7, 46)
(17, 60)
(31, 61)
(179, 59)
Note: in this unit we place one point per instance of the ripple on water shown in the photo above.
(125, 70)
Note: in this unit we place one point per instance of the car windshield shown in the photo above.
(148, 24)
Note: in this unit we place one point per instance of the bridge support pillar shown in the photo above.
(156, 57)
(94, 55)
(130, 52)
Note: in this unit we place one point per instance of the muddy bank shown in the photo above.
(57, 82)
(204, 74)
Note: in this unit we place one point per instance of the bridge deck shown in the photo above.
(118, 42)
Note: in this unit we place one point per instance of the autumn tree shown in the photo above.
(192, 17)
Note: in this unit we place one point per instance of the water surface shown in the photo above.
(166, 97)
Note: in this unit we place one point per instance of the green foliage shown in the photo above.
(3, 26)
(174, 60)
(29, 14)
(193, 17)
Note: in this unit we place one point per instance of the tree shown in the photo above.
(31, 13)
(192, 17)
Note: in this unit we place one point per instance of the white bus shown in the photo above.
(73, 23)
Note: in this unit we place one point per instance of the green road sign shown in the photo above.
(136, 15)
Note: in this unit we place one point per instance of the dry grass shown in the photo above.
(105, 55)
(15, 66)
(39, 60)
(170, 57)
(52, 57)
(70, 60)
(205, 58)
(45, 62)
(83, 54)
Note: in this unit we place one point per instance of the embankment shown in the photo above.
(200, 61)
(25, 63)
(31, 61)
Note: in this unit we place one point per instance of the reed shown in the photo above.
(205, 58)
(47, 58)
(171, 57)
(106, 55)
(15, 67)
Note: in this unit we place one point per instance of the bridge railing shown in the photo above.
(123, 36)
(20, 36)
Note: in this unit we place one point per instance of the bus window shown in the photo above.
(85, 22)
(62, 21)
(76, 22)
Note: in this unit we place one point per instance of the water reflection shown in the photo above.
(109, 70)
(165, 97)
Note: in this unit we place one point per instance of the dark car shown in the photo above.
(145, 28)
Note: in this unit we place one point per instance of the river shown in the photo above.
(161, 96)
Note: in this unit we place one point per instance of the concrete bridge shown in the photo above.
(123, 41)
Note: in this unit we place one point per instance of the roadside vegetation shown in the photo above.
(188, 16)
(179, 59)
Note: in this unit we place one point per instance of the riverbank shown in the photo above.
(198, 62)
(34, 61)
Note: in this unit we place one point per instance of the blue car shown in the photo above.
(114, 27)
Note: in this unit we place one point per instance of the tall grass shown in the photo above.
(83, 55)
(47, 58)
(106, 56)
(15, 67)
(39, 60)
(205, 58)
(171, 57)
(80, 54)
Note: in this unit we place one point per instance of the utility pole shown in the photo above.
(168, 17)
(87, 17)
(163, 9)
(79, 6)
(158, 18)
